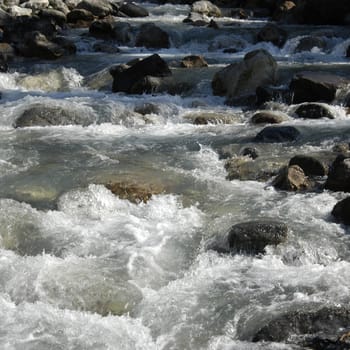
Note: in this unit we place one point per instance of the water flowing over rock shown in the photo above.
(277, 134)
(239, 79)
(310, 42)
(315, 86)
(339, 175)
(341, 211)
(313, 111)
(272, 33)
(126, 80)
(292, 178)
(268, 117)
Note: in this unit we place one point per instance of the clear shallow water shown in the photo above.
(83, 269)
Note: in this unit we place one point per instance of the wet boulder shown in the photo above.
(292, 178)
(151, 36)
(207, 8)
(251, 237)
(123, 33)
(313, 111)
(203, 118)
(272, 93)
(66, 44)
(102, 29)
(341, 211)
(80, 16)
(309, 42)
(147, 108)
(128, 79)
(272, 134)
(133, 10)
(339, 174)
(197, 20)
(36, 44)
(273, 34)
(326, 320)
(99, 8)
(310, 165)
(315, 86)
(239, 79)
(134, 192)
(193, 61)
(54, 16)
(107, 48)
(48, 115)
(268, 117)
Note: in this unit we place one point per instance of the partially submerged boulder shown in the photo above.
(339, 174)
(239, 79)
(273, 134)
(314, 111)
(193, 61)
(341, 211)
(207, 8)
(315, 86)
(310, 165)
(292, 178)
(268, 117)
(151, 36)
(133, 10)
(135, 193)
(309, 42)
(271, 33)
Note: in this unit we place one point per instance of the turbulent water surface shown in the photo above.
(82, 269)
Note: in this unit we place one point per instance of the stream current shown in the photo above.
(82, 269)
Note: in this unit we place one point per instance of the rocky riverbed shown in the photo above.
(174, 175)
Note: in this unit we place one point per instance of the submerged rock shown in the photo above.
(315, 86)
(273, 134)
(292, 178)
(341, 211)
(46, 115)
(313, 111)
(239, 79)
(251, 237)
(131, 79)
(327, 320)
(310, 165)
(339, 174)
(135, 193)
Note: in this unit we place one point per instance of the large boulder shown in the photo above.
(271, 33)
(151, 36)
(326, 320)
(127, 79)
(133, 10)
(341, 211)
(310, 165)
(292, 178)
(102, 29)
(339, 175)
(239, 79)
(250, 237)
(48, 115)
(313, 111)
(272, 134)
(207, 8)
(315, 86)
(99, 8)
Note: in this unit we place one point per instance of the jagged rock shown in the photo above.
(341, 211)
(339, 174)
(315, 86)
(135, 193)
(239, 79)
(251, 237)
(133, 10)
(277, 134)
(101, 29)
(80, 15)
(292, 178)
(207, 8)
(268, 117)
(306, 321)
(271, 33)
(99, 8)
(309, 42)
(193, 61)
(313, 111)
(44, 115)
(250, 152)
(126, 79)
(310, 165)
(151, 36)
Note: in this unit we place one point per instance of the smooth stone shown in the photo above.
(268, 117)
(339, 174)
(341, 211)
(207, 8)
(313, 111)
(273, 134)
(133, 10)
(271, 33)
(310, 165)
(151, 36)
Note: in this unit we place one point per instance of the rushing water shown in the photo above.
(82, 269)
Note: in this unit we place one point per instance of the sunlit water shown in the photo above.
(82, 269)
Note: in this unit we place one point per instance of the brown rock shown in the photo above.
(267, 117)
(193, 61)
(291, 178)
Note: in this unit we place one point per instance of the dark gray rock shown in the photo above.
(310, 165)
(129, 79)
(151, 36)
(341, 211)
(66, 44)
(273, 134)
(313, 111)
(99, 8)
(102, 29)
(250, 152)
(315, 86)
(306, 321)
(272, 33)
(292, 178)
(43, 115)
(123, 33)
(133, 10)
(309, 42)
(54, 16)
(339, 174)
(272, 93)
(80, 15)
